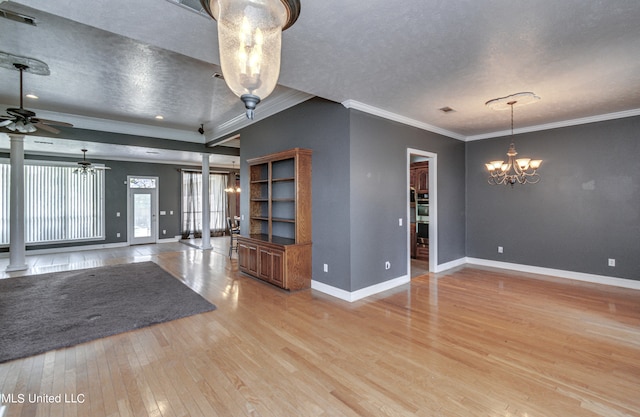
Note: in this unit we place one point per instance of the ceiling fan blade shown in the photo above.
(99, 167)
(50, 122)
(42, 126)
(6, 122)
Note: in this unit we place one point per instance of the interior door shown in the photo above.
(142, 213)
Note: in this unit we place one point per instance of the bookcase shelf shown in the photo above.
(278, 247)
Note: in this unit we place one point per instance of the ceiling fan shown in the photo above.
(25, 121)
(86, 167)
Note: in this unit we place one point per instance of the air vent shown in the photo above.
(17, 17)
(446, 109)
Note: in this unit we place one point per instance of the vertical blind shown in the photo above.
(59, 205)
(4, 203)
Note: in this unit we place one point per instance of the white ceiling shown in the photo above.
(116, 64)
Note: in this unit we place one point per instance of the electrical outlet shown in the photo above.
(387, 265)
(118, 234)
(400, 221)
(117, 214)
(326, 268)
(612, 262)
(164, 232)
(500, 249)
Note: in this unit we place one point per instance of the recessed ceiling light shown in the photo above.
(33, 96)
(159, 117)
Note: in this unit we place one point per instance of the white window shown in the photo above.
(59, 205)
(192, 202)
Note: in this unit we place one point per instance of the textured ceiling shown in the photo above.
(126, 61)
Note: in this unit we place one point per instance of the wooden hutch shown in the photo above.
(278, 247)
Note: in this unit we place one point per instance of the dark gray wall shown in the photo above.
(169, 193)
(169, 196)
(379, 196)
(323, 127)
(585, 209)
(359, 188)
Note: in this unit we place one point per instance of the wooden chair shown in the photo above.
(234, 230)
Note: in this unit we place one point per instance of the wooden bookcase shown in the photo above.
(278, 246)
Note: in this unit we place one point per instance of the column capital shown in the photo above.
(16, 136)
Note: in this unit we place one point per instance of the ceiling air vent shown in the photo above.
(17, 17)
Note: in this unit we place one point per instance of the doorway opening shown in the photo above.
(422, 233)
(142, 207)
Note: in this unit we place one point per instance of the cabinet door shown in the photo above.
(264, 264)
(277, 268)
(423, 180)
(243, 256)
(247, 257)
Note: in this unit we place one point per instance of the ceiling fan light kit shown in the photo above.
(250, 40)
(513, 171)
(85, 167)
(21, 119)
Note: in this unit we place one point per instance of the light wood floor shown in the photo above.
(470, 342)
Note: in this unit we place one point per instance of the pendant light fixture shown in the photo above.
(521, 170)
(250, 38)
(232, 185)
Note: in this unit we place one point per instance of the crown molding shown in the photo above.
(115, 126)
(557, 125)
(269, 107)
(356, 105)
(352, 104)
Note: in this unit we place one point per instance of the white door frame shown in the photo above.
(433, 207)
(154, 210)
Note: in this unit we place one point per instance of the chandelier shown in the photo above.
(232, 186)
(249, 39)
(521, 170)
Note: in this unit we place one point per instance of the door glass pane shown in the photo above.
(141, 215)
(142, 183)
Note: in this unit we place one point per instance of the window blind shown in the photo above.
(59, 206)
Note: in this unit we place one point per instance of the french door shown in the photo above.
(142, 210)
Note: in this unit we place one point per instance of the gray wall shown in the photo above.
(379, 196)
(323, 127)
(585, 209)
(359, 188)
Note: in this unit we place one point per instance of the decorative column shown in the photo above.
(206, 209)
(17, 259)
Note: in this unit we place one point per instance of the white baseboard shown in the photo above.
(170, 239)
(361, 293)
(384, 286)
(452, 264)
(578, 276)
(64, 249)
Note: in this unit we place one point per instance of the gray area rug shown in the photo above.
(50, 311)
